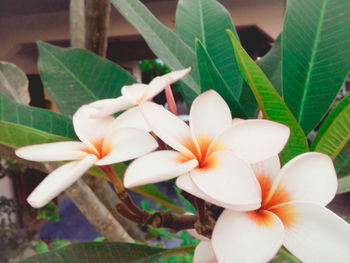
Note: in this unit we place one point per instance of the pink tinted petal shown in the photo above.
(318, 235)
(255, 140)
(160, 83)
(131, 118)
(229, 180)
(204, 253)
(310, 177)
(127, 144)
(47, 152)
(110, 106)
(240, 237)
(134, 91)
(185, 183)
(156, 167)
(167, 126)
(58, 180)
(209, 116)
(87, 127)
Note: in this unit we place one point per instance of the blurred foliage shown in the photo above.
(49, 212)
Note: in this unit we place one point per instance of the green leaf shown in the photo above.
(334, 133)
(207, 20)
(211, 79)
(73, 76)
(316, 57)
(23, 125)
(270, 102)
(167, 45)
(98, 252)
(271, 65)
(14, 83)
(333, 139)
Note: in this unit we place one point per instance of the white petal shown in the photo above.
(127, 144)
(172, 130)
(158, 84)
(204, 253)
(318, 235)
(239, 237)
(185, 183)
(310, 177)
(156, 167)
(59, 180)
(110, 106)
(47, 152)
(269, 167)
(229, 181)
(135, 91)
(87, 127)
(209, 116)
(255, 140)
(131, 118)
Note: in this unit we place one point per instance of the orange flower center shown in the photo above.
(272, 202)
(203, 154)
(101, 148)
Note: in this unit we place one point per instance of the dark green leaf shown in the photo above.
(271, 65)
(207, 20)
(212, 79)
(73, 76)
(270, 102)
(99, 252)
(334, 133)
(316, 57)
(167, 45)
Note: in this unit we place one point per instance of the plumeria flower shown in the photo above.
(103, 142)
(292, 214)
(211, 156)
(133, 95)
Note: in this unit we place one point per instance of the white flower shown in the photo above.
(292, 214)
(103, 142)
(211, 157)
(134, 94)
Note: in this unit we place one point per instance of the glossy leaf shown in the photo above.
(73, 76)
(211, 78)
(167, 45)
(316, 57)
(334, 133)
(207, 21)
(333, 139)
(271, 65)
(270, 102)
(93, 252)
(14, 83)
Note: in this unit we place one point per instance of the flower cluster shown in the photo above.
(231, 164)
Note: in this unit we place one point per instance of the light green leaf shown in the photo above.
(334, 133)
(14, 83)
(167, 45)
(316, 57)
(270, 102)
(212, 79)
(73, 76)
(333, 139)
(207, 20)
(271, 65)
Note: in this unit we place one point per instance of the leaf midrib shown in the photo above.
(312, 64)
(70, 73)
